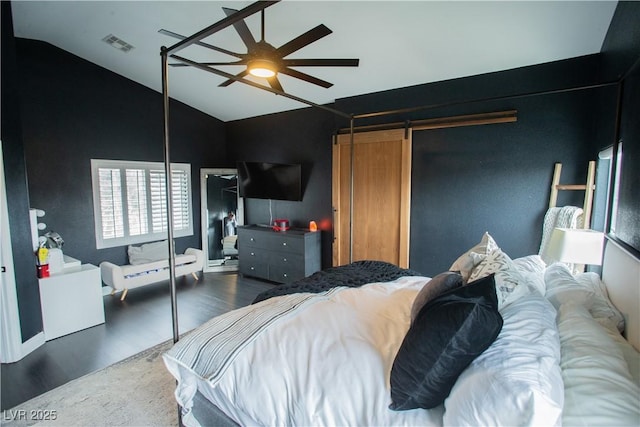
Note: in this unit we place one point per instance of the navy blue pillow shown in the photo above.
(447, 334)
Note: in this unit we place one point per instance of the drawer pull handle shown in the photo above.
(284, 275)
(252, 268)
(284, 259)
(252, 239)
(284, 243)
(253, 253)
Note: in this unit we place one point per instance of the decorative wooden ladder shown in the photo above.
(588, 189)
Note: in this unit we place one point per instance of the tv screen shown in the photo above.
(260, 180)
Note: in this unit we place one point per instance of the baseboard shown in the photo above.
(25, 348)
(33, 343)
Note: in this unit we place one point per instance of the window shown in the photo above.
(129, 201)
(616, 190)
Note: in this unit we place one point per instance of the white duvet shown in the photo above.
(330, 365)
(345, 344)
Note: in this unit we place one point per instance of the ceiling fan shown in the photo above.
(264, 60)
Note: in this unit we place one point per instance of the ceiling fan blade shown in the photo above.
(321, 62)
(242, 29)
(304, 39)
(275, 83)
(203, 44)
(305, 77)
(228, 82)
(209, 64)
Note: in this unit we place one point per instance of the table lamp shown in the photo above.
(576, 246)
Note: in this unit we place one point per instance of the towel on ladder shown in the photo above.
(564, 217)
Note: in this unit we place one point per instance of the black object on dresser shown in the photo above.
(278, 256)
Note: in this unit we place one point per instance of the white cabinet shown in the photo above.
(71, 300)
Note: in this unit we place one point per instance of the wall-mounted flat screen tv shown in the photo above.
(261, 180)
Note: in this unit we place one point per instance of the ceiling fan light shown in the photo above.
(262, 68)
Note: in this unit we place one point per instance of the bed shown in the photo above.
(493, 341)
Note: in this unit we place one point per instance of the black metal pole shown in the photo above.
(256, 85)
(351, 162)
(223, 23)
(168, 193)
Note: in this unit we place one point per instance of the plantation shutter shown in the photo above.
(180, 200)
(137, 202)
(110, 190)
(130, 201)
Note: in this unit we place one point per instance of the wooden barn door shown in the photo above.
(381, 197)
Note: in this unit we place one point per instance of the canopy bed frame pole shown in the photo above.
(169, 193)
(165, 53)
(351, 184)
(257, 85)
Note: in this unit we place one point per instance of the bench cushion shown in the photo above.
(135, 270)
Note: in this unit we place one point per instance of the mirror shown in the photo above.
(222, 210)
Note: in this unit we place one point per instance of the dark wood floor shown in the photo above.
(141, 321)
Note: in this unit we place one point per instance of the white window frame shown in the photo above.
(617, 180)
(184, 198)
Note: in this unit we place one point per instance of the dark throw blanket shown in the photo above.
(351, 275)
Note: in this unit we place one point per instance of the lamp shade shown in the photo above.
(579, 246)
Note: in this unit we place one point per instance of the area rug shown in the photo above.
(137, 391)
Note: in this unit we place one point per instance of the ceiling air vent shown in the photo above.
(117, 43)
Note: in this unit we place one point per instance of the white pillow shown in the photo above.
(630, 354)
(149, 252)
(587, 288)
(517, 380)
(530, 263)
(466, 262)
(531, 268)
(507, 275)
(599, 389)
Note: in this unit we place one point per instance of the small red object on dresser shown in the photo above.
(281, 225)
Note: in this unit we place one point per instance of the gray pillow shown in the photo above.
(149, 252)
(435, 287)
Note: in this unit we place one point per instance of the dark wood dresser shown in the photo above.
(278, 256)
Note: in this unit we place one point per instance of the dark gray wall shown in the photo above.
(497, 178)
(621, 50)
(628, 217)
(74, 111)
(301, 136)
(465, 181)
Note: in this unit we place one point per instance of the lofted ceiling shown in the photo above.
(399, 43)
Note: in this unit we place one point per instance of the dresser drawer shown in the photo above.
(285, 259)
(254, 255)
(286, 267)
(251, 239)
(285, 273)
(286, 243)
(271, 240)
(254, 269)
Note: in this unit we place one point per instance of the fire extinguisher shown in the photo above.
(42, 262)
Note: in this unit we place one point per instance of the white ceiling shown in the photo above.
(399, 43)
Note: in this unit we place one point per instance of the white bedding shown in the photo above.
(517, 381)
(345, 345)
(598, 385)
(263, 386)
(330, 362)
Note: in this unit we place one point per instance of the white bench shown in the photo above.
(147, 268)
